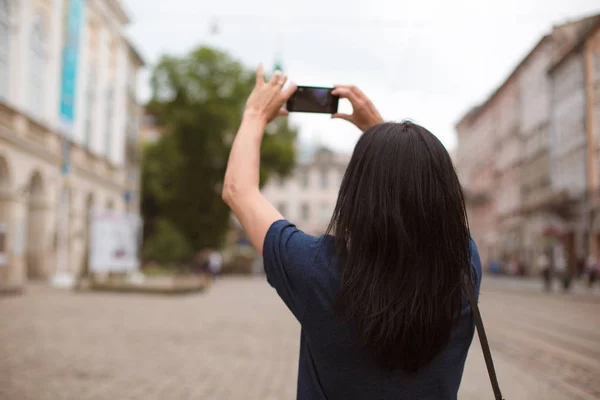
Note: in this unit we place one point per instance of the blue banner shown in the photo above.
(69, 64)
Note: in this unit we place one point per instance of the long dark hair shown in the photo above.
(402, 236)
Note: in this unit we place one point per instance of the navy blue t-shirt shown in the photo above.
(303, 270)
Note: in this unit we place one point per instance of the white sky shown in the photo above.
(426, 60)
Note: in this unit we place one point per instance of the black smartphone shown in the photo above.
(310, 99)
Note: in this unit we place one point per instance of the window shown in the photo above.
(305, 179)
(324, 212)
(37, 67)
(304, 212)
(282, 208)
(91, 103)
(109, 125)
(4, 47)
(324, 179)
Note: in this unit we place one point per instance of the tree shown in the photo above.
(199, 100)
(166, 244)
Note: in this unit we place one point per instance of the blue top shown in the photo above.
(304, 272)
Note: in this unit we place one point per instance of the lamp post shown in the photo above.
(62, 277)
(70, 61)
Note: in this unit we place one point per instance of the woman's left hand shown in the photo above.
(267, 99)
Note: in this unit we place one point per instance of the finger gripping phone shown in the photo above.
(310, 99)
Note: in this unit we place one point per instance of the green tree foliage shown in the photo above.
(166, 244)
(199, 99)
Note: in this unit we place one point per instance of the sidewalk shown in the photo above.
(535, 286)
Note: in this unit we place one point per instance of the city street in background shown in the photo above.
(99, 191)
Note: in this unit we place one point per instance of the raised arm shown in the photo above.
(240, 188)
(364, 114)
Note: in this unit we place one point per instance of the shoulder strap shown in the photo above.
(485, 347)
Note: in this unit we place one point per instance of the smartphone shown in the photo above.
(310, 99)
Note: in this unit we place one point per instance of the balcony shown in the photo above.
(28, 132)
(47, 144)
(90, 163)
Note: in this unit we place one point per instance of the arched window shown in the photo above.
(37, 67)
(4, 47)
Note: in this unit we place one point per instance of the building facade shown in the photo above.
(509, 155)
(543, 155)
(592, 72)
(68, 111)
(534, 94)
(308, 196)
(475, 165)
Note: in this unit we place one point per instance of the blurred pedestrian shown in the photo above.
(543, 265)
(592, 269)
(381, 300)
(513, 266)
(562, 272)
(521, 269)
(215, 263)
(597, 273)
(200, 263)
(495, 267)
(581, 267)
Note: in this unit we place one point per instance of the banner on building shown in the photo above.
(70, 58)
(114, 242)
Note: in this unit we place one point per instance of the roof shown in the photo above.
(323, 156)
(119, 8)
(135, 52)
(474, 112)
(587, 27)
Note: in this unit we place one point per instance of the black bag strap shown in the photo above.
(485, 347)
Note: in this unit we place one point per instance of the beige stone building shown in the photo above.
(591, 49)
(533, 144)
(308, 196)
(575, 109)
(534, 93)
(67, 82)
(476, 167)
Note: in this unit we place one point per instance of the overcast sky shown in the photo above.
(426, 60)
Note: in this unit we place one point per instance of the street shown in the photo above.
(238, 341)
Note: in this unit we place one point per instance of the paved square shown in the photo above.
(238, 341)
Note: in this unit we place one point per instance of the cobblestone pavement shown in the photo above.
(237, 341)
